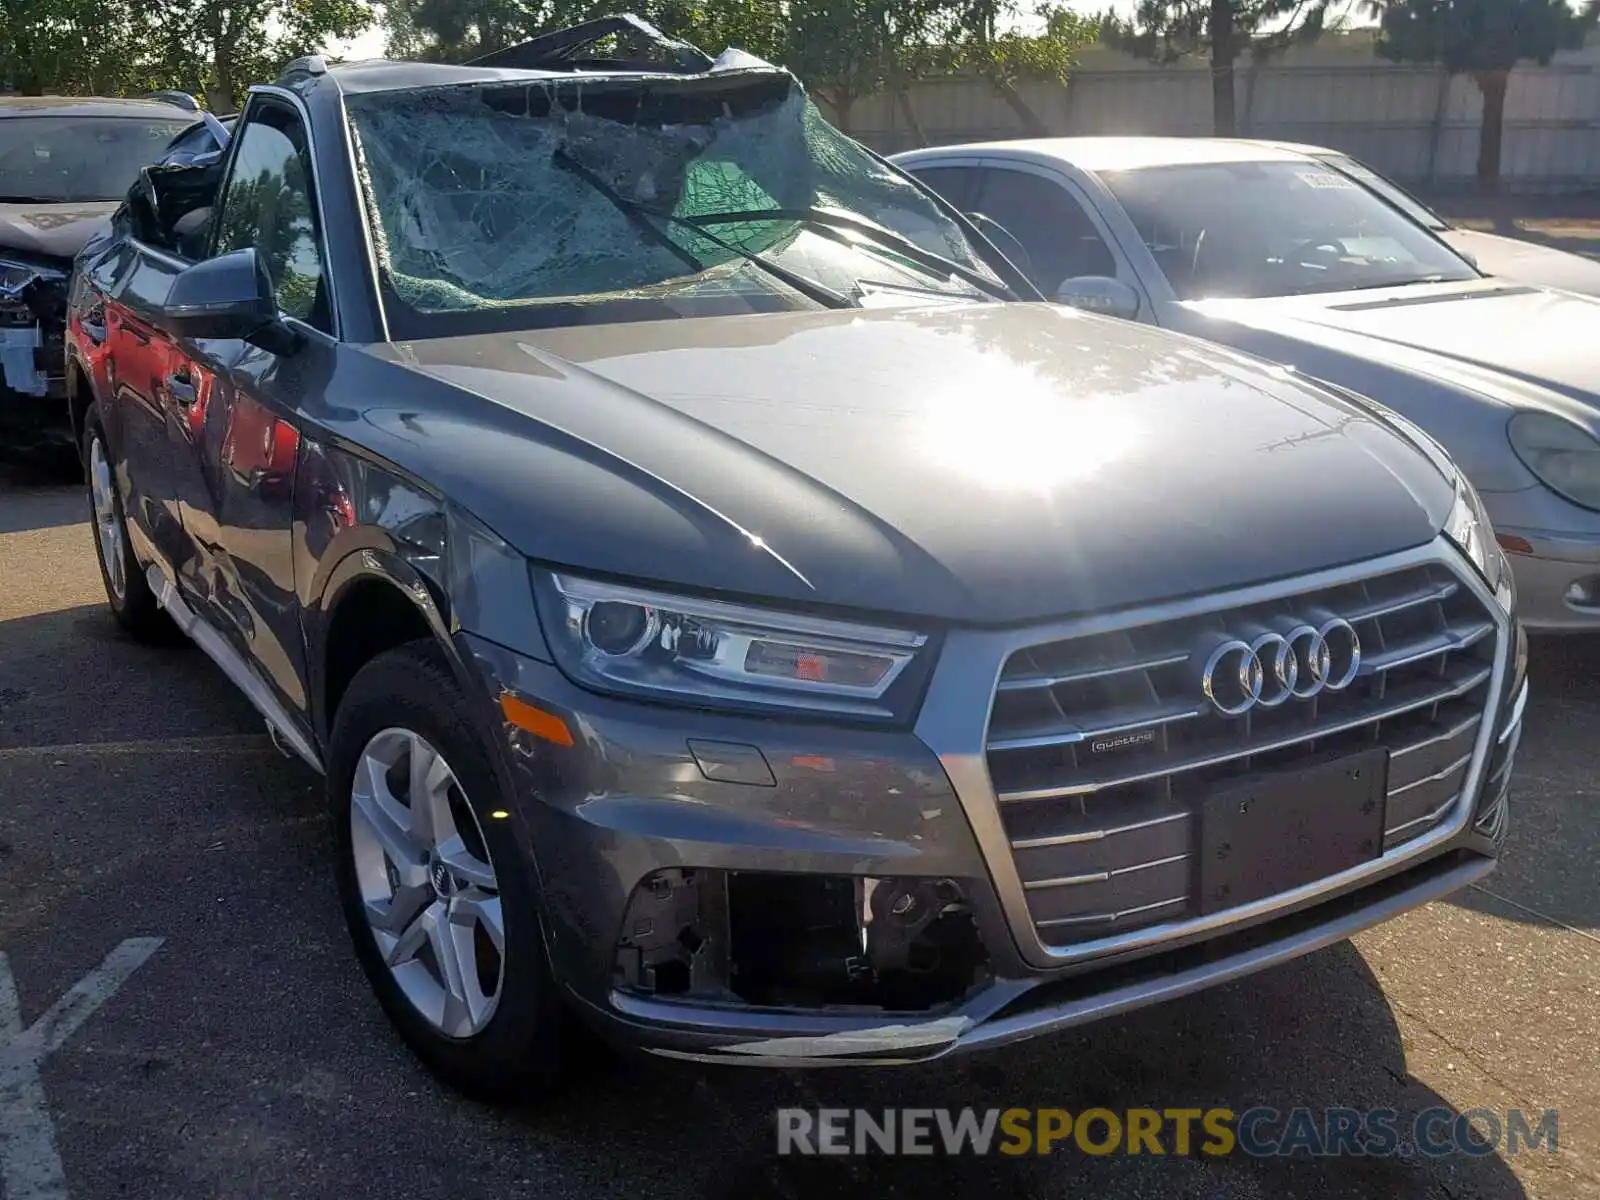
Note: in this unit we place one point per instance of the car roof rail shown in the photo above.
(640, 46)
(174, 97)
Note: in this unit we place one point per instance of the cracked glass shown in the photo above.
(499, 205)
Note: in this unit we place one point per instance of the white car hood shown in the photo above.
(1465, 331)
(1516, 261)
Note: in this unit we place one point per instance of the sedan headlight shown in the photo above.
(1562, 456)
(1469, 528)
(617, 638)
(14, 275)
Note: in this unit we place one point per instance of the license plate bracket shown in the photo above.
(1277, 830)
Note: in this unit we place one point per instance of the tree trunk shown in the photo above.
(842, 105)
(1219, 32)
(1031, 121)
(1493, 86)
(908, 110)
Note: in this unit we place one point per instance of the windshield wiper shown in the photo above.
(643, 216)
(38, 200)
(877, 234)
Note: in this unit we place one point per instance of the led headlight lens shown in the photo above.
(619, 638)
(1562, 456)
(1469, 528)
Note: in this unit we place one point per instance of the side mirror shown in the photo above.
(1004, 241)
(230, 296)
(1099, 294)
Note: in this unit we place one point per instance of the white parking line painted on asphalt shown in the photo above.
(239, 743)
(30, 1165)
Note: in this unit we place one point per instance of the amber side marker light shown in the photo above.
(535, 720)
(1512, 544)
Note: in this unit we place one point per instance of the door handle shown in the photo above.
(181, 388)
(95, 331)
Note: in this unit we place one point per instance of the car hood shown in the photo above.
(1467, 331)
(1525, 262)
(986, 463)
(52, 230)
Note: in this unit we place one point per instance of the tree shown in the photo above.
(1166, 30)
(989, 42)
(70, 46)
(212, 49)
(1484, 39)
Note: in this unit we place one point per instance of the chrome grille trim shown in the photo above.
(1448, 735)
(1095, 835)
(1035, 885)
(954, 723)
(1112, 918)
(1442, 773)
(1022, 683)
(1381, 713)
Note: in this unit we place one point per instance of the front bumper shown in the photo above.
(628, 800)
(1558, 578)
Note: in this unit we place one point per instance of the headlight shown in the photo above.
(15, 275)
(1563, 457)
(617, 638)
(1469, 528)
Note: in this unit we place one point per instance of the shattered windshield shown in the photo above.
(496, 206)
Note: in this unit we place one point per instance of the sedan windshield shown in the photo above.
(78, 159)
(1252, 229)
(567, 200)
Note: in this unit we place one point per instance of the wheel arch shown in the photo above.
(373, 601)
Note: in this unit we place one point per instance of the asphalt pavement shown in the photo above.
(231, 1046)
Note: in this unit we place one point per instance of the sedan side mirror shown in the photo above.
(230, 296)
(1099, 294)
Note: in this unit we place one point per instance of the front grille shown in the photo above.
(1101, 747)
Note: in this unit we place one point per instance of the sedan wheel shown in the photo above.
(428, 883)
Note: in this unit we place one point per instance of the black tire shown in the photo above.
(133, 603)
(519, 1054)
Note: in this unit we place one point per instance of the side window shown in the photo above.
(1049, 222)
(267, 203)
(955, 184)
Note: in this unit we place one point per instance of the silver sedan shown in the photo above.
(1268, 250)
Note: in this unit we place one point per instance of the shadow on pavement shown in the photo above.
(74, 676)
(35, 495)
(1316, 1033)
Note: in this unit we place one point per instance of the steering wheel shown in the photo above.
(1326, 243)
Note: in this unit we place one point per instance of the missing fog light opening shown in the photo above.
(800, 941)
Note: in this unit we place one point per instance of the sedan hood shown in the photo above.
(1533, 336)
(51, 230)
(985, 463)
(1517, 261)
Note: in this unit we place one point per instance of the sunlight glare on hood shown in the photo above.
(1008, 428)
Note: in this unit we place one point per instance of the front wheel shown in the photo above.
(438, 895)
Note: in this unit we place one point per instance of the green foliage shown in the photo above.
(1479, 35)
(843, 49)
(1166, 30)
(117, 47)
(1483, 38)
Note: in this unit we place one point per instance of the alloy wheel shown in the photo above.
(108, 524)
(427, 882)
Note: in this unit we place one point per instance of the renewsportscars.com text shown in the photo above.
(1258, 1132)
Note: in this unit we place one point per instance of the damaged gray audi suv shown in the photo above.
(731, 610)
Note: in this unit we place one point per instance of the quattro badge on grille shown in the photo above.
(1267, 667)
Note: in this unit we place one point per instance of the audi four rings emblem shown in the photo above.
(1271, 667)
